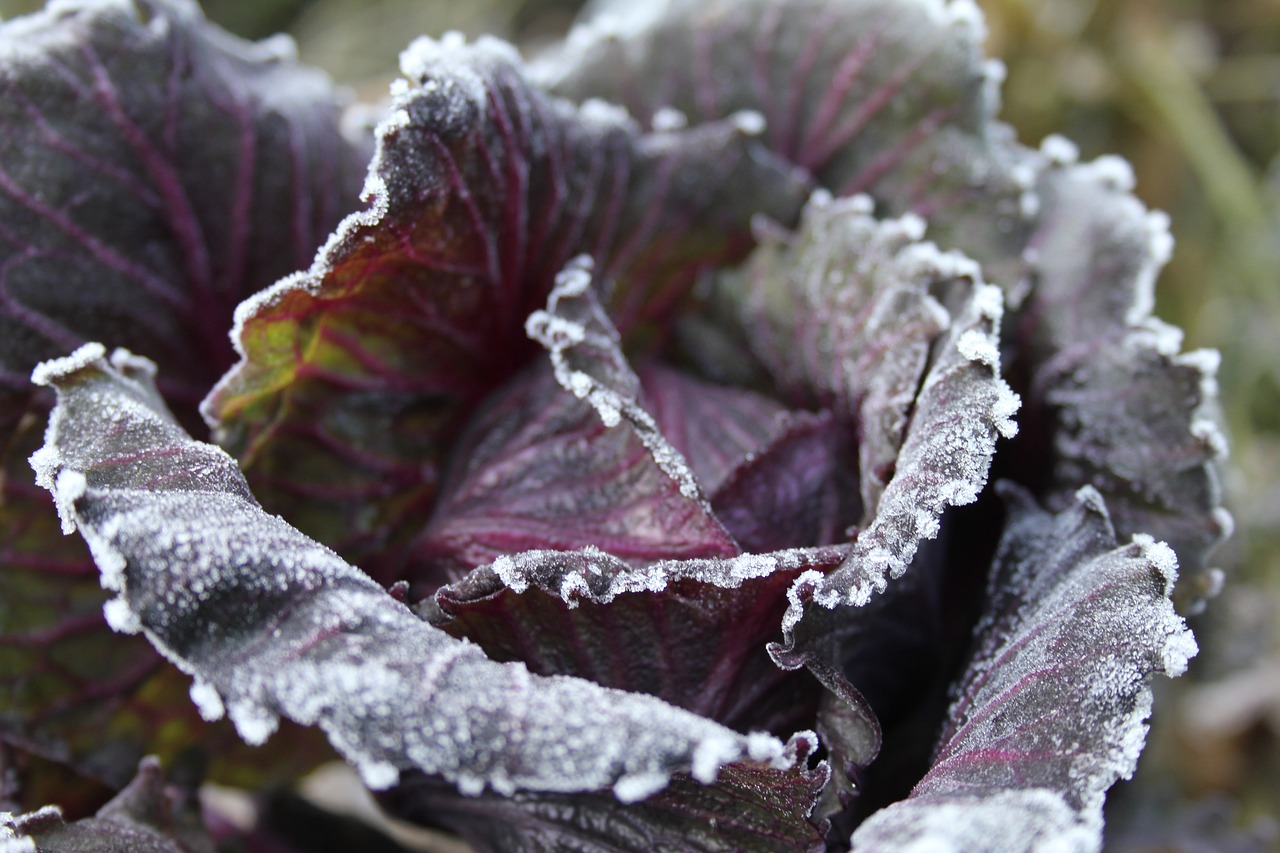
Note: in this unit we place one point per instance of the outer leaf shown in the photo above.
(750, 808)
(841, 316)
(357, 372)
(900, 341)
(271, 623)
(154, 171)
(1127, 413)
(1051, 711)
(91, 700)
(883, 97)
(148, 816)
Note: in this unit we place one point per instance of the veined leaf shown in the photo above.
(154, 171)
(890, 98)
(358, 372)
(1052, 709)
(271, 624)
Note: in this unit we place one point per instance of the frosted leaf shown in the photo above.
(155, 171)
(753, 808)
(586, 357)
(356, 372)
(884, 97)
(1130, 415)
(1052, 708)
(151, 815)
(819, 310)
(1030, 821)
(962, 407)
(900, 341)
(277, 625)
(539, 469)
(644, 628)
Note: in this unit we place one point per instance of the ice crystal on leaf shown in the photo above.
(655, 389)
(274, 624)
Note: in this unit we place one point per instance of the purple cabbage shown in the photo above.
(654, 387)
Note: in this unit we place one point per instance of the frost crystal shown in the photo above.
(316, 640)
(896, 337)
(588, 361)
(1053, 707)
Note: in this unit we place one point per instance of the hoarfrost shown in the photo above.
(1009, 822)
(85, 355)
(451, 57)
(1112, 171)
(120, 618)
(207, 700)
(976, 346)
(67, 489)
(586, 355)
(630, 789)
(316, 640)
(597, 576)
(1059, 150)
(598, 113)
(1052, 708)
(668, 119)
(10, 841)
(381, 775)
(1132, 414)
(914, 333)
(750, 122)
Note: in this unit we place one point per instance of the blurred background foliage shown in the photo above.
(1189, 92)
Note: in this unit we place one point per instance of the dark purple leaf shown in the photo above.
(587, 360)
(154, 172)
(149, 816)
(796, 490)
(272, 624)
(713, 426)
(692, 632)
(538, 469)
(566, 456)
(776, 478)
(1052, 709)
(359, 371)
(1127, 413)
(750, 809)
(883, 97)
